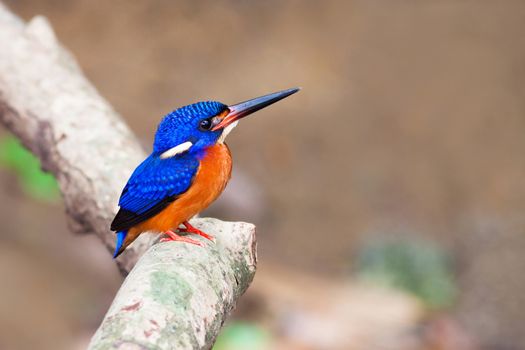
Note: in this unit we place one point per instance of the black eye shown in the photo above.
(205, 124)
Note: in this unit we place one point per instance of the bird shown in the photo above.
(189, 167)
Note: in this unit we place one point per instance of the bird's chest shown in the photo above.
(213, 174)
(209, 182)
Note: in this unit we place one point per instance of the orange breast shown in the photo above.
(210, 180)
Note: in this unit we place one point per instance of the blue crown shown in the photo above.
(180, 124)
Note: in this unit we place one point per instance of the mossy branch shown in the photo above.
(178, 295)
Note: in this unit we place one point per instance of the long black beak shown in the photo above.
(243, 109)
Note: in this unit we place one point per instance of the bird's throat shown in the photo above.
(226, 131)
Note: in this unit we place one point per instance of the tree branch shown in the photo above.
(179, 298)
(45, 100)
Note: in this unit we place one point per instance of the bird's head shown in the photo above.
(195, 127)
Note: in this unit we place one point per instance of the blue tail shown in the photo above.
(121, 236)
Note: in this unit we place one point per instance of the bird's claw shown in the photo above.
(191, 229)
(172, 236)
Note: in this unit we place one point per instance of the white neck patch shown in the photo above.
(226, 131)
(172, 152)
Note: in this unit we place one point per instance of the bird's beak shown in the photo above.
(243, 109)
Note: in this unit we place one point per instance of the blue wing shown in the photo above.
(152, 187)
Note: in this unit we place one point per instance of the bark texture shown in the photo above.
(178, 295)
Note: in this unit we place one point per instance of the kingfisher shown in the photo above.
(187, 170)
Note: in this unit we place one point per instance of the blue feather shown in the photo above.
(121, 236)
(155, 179)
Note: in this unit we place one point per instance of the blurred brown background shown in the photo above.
(410, 122)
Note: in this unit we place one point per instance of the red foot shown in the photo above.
(190, 229)
(172, 236)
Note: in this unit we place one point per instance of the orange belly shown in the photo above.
(210, 180)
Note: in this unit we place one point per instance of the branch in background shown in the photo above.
(46, 101)
(177, 296)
